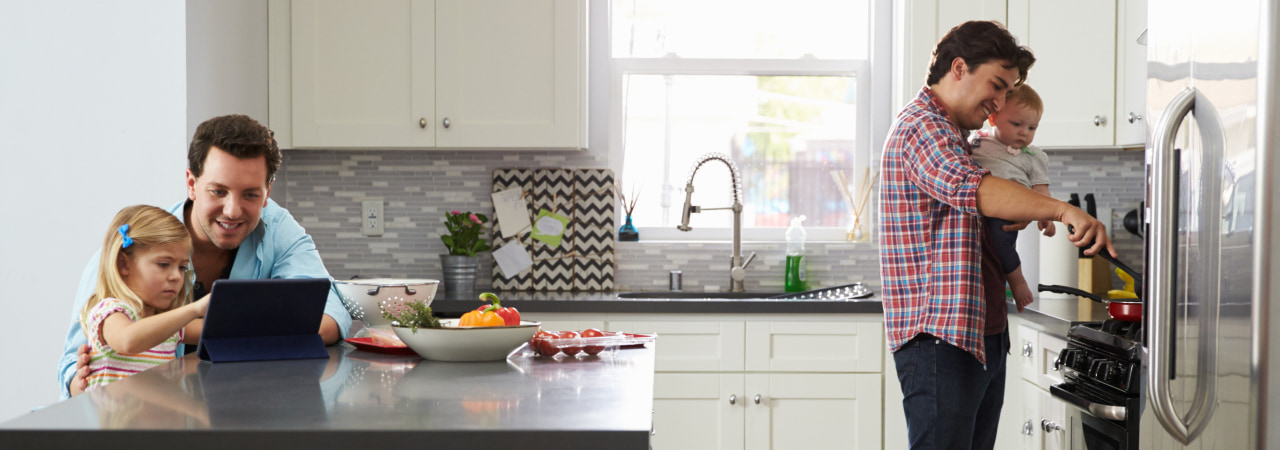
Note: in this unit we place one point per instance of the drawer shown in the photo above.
(814, 346)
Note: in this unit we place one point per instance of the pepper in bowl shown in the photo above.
(491, 314)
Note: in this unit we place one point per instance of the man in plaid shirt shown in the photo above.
(948, 348)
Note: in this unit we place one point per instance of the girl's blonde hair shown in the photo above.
(148, 226)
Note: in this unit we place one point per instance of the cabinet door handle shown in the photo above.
(1049, 426)
(1133, 117)
(733, 399)
(422, 123)
(757, 399)
(446, 122)
(1027, 350)
(1099, 121)
(1028, 428)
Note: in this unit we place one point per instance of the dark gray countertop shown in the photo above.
(608, 302)
(357, 399)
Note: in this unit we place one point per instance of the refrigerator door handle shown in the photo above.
(1160, 292)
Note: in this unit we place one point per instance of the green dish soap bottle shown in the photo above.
(794, 279)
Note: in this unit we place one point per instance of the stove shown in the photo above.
(1102, 372)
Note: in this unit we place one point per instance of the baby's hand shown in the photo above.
(1047, 227)
(1021, 295)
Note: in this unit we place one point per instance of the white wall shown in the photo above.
(93, 109)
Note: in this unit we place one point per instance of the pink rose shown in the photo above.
(475, 219)
(455, 212)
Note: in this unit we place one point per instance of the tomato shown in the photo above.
(570, 350)
(592, 333)
(541, 342)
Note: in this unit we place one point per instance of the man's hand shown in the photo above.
(329, 330)
(81, 381)
(1086, 231)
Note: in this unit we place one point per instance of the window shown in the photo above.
(776, 86)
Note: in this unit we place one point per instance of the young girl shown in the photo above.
(138, 314)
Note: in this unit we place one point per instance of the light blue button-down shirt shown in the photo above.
(278, 248)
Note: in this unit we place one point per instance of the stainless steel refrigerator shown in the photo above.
(1211, 224)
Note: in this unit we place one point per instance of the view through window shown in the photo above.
(773, 85)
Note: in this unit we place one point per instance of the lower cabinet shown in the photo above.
(707, 411)
(790, 382)
(1040, 421)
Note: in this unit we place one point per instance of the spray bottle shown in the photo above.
(794, 279)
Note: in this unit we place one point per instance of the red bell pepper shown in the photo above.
(509, 316)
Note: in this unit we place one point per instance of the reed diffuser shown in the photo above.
(628, 232)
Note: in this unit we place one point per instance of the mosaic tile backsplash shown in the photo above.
(323, 190)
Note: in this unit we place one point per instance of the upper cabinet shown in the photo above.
(1131, 76)
(417, 74)
(925, 22)
(1089, 70)
(1075, 71)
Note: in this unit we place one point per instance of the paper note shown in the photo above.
(511, 211)
(549, 227)
(512, 258)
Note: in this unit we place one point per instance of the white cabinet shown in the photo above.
(735, 382)
(1075, 47)
(924, 22)
(1041, 422)
(429, 73)
(363, 73)
(1131, 75)
(1090, 71)
(812, 411)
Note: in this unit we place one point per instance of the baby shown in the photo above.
(1007, 152)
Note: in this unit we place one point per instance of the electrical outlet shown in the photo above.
(371, 218)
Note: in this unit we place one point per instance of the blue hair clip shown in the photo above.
(124, 231)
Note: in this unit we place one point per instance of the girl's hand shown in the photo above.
(201, 306)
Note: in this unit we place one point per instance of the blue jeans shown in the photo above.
(951, 401)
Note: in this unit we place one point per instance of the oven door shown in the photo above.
(1103, 426)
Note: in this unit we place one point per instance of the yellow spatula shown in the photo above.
(1128, 291)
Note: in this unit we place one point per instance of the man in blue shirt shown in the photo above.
(237, 231)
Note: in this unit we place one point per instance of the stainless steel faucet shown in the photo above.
(737, 267)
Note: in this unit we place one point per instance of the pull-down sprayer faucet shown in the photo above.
(737, 267)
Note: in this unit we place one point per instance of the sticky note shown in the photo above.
(549, 227)
(511, 211)
(512, 258)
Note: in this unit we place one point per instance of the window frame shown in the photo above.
(861, 69)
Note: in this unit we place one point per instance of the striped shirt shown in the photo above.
(930, 230)
(105, 364)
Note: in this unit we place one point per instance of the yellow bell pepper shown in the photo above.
(481, 319)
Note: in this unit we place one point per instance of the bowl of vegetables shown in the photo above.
(489, 333)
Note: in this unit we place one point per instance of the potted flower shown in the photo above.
(464, 240)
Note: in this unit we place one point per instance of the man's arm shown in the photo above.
(295, 256)
(1008, 200)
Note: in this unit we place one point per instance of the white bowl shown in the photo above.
(453, 343)
(362, 297)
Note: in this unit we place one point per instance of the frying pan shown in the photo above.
(1128, 311)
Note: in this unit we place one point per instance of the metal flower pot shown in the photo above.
(459, 276)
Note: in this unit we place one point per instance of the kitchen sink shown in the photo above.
(695, 295)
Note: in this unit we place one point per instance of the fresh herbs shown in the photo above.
(414, 315)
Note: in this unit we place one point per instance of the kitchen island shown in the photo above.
(358, 400)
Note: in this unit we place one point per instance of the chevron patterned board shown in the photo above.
(584, 260)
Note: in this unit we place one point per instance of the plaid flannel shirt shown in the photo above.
(930, 230)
